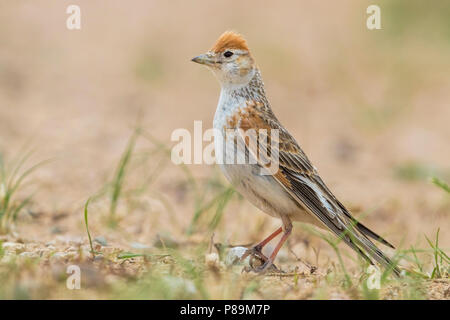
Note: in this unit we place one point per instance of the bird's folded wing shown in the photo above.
(300, 179)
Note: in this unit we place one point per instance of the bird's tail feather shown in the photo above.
(362, 244)
(363, 229)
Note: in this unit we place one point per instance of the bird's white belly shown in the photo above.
(262, 191)
(266, 193)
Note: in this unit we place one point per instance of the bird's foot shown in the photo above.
(260, 264)
(263, 268)
(254, 252)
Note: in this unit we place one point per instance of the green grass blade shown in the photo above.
(224, 200)
(130, 255)
(118, 181)
(86, 223)
(441, 184)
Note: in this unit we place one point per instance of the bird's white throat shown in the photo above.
(233, 97)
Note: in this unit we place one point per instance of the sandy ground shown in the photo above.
(370, 108)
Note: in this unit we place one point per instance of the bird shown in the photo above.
(294, 191)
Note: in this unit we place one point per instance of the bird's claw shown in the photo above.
(254, 252)
(257, 257)
(263, 267)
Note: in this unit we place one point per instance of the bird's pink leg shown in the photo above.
(261, 245)
(269, 262)
(279, 245)
(257, 248)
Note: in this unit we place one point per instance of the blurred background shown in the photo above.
(371, 108)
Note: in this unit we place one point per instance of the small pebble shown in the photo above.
(137, 245)
(13, 247)
(44, 252)
(50, 243)
(101, 240)
(212, 259)
(30, 255)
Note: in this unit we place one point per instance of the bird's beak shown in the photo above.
(205, 59)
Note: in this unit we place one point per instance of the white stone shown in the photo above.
(234, 256)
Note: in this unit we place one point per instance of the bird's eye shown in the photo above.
(228, 54)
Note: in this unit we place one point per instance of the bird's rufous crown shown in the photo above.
(230, 40)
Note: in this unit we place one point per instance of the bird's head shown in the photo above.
(230, 60)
